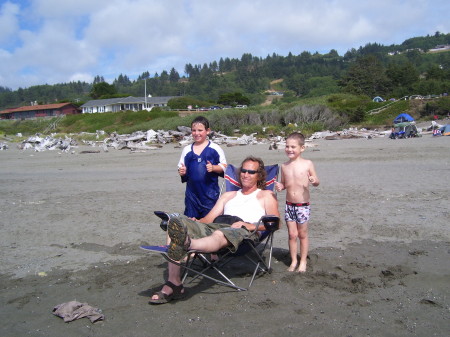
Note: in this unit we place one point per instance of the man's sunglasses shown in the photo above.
(248, 171)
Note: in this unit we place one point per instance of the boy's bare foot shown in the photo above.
(292, 267)
(302, 267)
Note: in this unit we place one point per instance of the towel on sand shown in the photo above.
(73, 310)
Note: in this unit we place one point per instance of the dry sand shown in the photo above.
(379, 265)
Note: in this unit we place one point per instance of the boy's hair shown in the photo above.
(262, 174)
(201, 120)
(298, 137)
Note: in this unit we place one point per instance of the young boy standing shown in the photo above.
(296, 175)
(200, 166)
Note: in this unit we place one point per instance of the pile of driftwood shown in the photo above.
(152, 140)
(39, 144)
(349, 134)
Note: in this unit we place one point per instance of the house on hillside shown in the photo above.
(124, 104)
(440, 47)
(45, 110)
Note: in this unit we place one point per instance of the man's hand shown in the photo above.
(242, 224)
(239, 224)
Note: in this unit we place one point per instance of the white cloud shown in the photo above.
(53, 41)
(8, 21)
(82, 77)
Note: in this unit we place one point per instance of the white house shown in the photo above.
(124, 103)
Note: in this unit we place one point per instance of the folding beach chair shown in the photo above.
(199, 264)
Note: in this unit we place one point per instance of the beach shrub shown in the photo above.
(305, 115)
(439, 107)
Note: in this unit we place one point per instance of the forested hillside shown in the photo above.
(388, 71)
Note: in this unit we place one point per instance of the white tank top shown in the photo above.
(247, 207)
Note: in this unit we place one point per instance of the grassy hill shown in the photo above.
(332, 112)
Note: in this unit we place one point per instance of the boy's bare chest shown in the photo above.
(296, 170)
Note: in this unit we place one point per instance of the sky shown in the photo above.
(60, 41)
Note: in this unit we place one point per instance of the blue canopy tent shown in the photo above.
(403, 117)
(445, 130)
(404, 127)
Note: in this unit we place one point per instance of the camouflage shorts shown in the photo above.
(235, 236)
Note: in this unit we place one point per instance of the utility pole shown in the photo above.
(145, 92)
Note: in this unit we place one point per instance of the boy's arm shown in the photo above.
(313, 178)
(222, 162)
(219, 168)
(181, 167)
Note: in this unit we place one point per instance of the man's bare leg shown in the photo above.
(174, 277)
(210, 244)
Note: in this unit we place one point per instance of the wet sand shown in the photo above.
(71, 226)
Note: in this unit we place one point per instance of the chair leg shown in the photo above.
(188, 267)
(254, 274)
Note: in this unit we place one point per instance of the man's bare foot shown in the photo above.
(292, 267)
(166, 290)
(302, 267)
(168, 293)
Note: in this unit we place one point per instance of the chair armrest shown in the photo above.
(165, 219)
(271, 222)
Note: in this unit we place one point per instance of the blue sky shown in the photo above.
(58, 41)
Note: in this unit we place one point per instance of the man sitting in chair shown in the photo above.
(250, 203)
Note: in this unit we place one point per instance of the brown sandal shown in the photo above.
(177, 293)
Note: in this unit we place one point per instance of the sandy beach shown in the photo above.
(379, 262)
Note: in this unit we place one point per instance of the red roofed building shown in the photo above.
(46, 110)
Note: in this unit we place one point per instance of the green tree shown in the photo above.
(435, 72)
(298, 83)
(173, 76)
(366, 77)
(102, 90)
(184, 102)
(98, 79)
(233, 98)
(402, 75)
(122, 81)
(357, 115)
